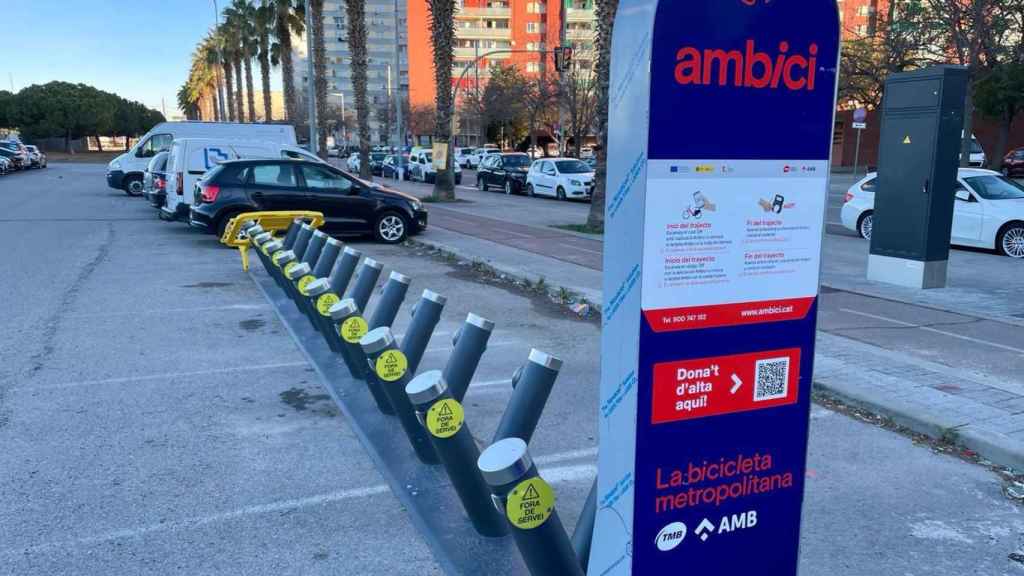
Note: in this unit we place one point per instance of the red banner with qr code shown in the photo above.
(704, 387)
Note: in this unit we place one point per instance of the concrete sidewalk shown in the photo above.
(947, 399)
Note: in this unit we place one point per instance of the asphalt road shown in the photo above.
(155, 418)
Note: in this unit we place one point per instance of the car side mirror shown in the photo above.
(963, 195)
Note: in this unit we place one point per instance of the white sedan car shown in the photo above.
(988, 211)
(562, 178)
(353, 163)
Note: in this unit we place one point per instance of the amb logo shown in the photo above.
(748, 68)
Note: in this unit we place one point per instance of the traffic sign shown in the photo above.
(711, 282)
(859, 125)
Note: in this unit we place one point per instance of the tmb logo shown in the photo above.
(749, 68)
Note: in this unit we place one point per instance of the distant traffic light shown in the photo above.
(563, 58)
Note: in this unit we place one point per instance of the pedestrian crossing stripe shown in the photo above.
(444, 419)
(530, 503)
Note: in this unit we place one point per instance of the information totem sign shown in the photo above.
(720, 136)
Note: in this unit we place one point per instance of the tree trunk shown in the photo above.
(216, 105)
(284, 38)
(268, 110)
(356, 14)
(996, 160)
(320, 73)
(965, 142)
(251, 98)
(229, 89)
(605, 12)
(239, 104)
(442, 35)
(99, 144)
(221, 107)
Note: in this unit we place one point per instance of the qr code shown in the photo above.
(772, 379)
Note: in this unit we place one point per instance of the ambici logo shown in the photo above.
(748, 68)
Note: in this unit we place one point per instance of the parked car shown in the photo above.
(353, 162)
(37, 156)
(977, 156)
(154, 183)
(561, 178)
(390, 166)
(127, 170)
(190, 158)
(462, 156)
(18, 153)
(988, 211)
(506, 171)
(1013, 163)
(16, 159)
(351, 206)
(5, 165)
(478, 156)
(421, 167)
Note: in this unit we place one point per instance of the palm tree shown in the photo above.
(226, 57)
(288, 18)
(316, 8)
(262, 26)
(442, 35)
(210, 49)
(188, 104)
(605, 13)
(355, 13)
(242, 16)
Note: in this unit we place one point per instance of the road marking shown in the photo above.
(557, 475)
(124, 379)
(229, 307)
(470, 188)
(935, 331)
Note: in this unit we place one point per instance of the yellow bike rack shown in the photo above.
(272, 222)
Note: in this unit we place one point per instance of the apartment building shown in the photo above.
(384, 83)
(859, 18)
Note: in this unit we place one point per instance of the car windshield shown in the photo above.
(992, 187)
(976, 148)
(517, 160)
(572, 167)
(429, 156)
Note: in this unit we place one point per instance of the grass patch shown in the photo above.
(581, 228)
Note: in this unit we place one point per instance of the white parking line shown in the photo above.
(557, 475)
(934, 330)
(161, 376)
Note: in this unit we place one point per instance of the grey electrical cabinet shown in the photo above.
(918, 158)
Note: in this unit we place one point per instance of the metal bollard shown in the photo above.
(261, 239)
(320, 299)
(344, 268)
(532, 385)
(583, 533)
(366, 279)
(316, 244)
(391, 297)
(349, 329)
(444, 418)
(328, 256)
(392, 371)
(302, 240)
(282, 262)
(528, 503)
(296, 274)
(425, 316)
(292, 234)
(470, 343)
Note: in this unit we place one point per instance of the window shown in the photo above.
(298, 156)
(870, 185)
(996, 188)
(572, 167)
(533, 67)
(536, 8)
(156, 143)
(532, 27)
(547, 168)
(273, 175)
(320, 178)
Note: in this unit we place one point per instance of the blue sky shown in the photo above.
(139, 49)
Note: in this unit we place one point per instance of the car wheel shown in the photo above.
(222, 224)
(866, 225)
(508, 187)
(133, 186)
(529, 191)
(560, 193)
(1011, 240)
(390, 228)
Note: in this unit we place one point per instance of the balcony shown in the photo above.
(472, 32)
(473, 12)
(580, 15)
(580, 34)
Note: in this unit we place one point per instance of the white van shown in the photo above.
(127, 170)
(190, 158)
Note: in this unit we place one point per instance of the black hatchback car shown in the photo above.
(506, 171)
(350, 206)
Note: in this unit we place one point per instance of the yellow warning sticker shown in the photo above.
(445, 417)
(288, 267)
(391, 365)
(906, 140)
(303, 283)
(325, 301)
(530, 503)
(353, 329)
(264, 249)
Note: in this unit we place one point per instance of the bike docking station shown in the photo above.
(482, 508)
(720, 134)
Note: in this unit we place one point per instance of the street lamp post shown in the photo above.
(310, 84)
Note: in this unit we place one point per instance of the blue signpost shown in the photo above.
(720, 135)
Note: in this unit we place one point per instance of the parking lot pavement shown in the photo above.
(157, 418)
